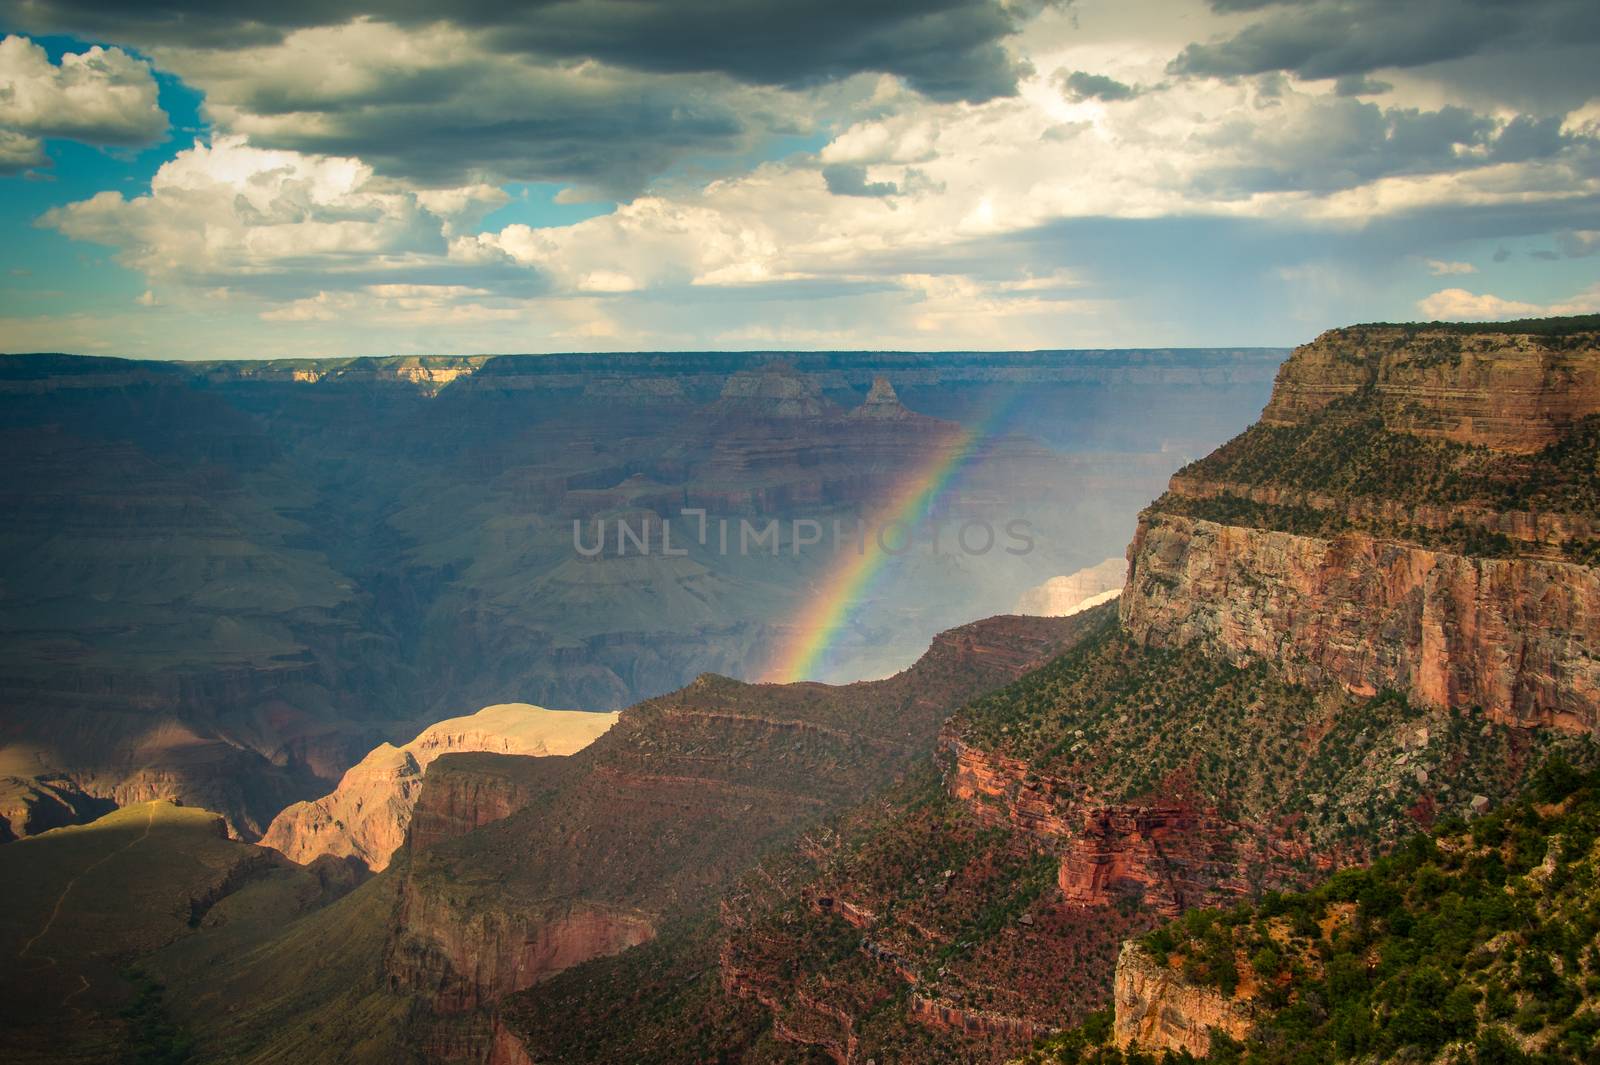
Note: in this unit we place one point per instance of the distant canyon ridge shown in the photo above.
(225, 583)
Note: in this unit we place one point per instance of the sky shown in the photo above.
(186, 179)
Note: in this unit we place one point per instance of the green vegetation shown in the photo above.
(1478, 945)
(1565, 326)
(1344, 772)
(1345, 452)
(152, 1037)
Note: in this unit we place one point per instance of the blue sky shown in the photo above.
(968, 174)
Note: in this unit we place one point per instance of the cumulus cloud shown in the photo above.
(357, 153)
(229, 210)
(603, 95)
(1457, 303)
(1323, 143)
(18, 152)
(436, 107)
(102, 96)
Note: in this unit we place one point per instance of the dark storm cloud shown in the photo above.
(1338, 38)
(1360, 85)
(1081, 85)
(947, 49)
(1341, 143)
(608, 134)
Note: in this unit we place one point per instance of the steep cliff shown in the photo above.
(1414, 512)
(367, 816)
(1508, 391)
(1514, 636)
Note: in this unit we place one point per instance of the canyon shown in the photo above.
(1262, 706)
(1369, 614)
(227, 582)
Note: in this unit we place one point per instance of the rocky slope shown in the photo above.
(1472, 944)
(85, 900)
(657, 816)
(368, 815)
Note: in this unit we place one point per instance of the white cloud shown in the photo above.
(228, 210)
(319, 237)
(402, 305)
(101, 96)
(1453, 304)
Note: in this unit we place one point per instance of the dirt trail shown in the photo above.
(50, 961)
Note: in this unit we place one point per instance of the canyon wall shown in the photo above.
(1517, 637)
(1451, 588)
(462, 955)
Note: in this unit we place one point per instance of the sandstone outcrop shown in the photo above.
(367, 816)
(1156, 1009)
(1511, 392)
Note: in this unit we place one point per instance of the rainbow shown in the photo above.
(832, 606)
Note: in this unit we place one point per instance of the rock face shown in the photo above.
(366, 817)
(1517, 637)
(29, 807)
(1157, 1010)
(1073, 593)
(1168, 857)
(1511, 392)
(463, 958)
(467, 791)
(777, 390)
